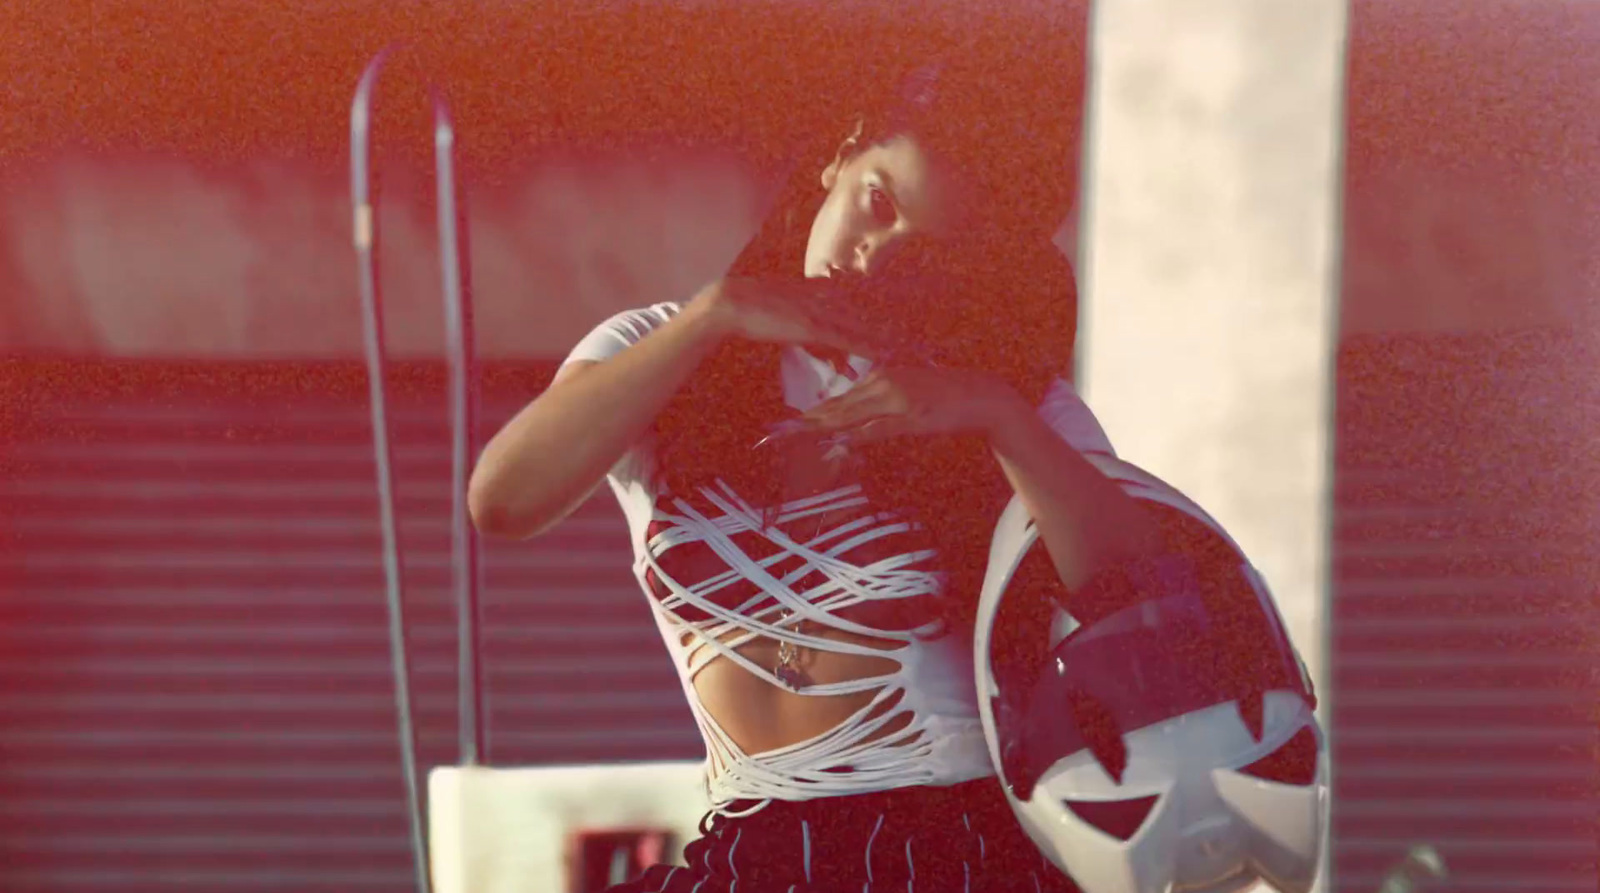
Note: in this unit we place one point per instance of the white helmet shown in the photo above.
(1168, 746)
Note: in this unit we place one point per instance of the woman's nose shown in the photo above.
(872, 252)
(861, 263)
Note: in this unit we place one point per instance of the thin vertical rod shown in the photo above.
(1327, 697)
(366, 243)
(463, 421)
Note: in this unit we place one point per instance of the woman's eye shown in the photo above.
(882, 208)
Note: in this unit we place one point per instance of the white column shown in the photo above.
(1210, 237)
(1210, 241)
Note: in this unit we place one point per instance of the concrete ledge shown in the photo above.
(507, 830)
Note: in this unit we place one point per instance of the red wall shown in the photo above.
(176, 173)
(174, 185)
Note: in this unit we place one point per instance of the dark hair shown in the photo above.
(1003, 301)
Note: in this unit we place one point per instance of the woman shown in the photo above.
(812, 453)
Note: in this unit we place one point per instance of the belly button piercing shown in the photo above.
(790, 675)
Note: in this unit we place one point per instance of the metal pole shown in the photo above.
(453, 247)
(460, 356)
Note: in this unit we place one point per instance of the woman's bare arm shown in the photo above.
(550, 457)
(1085, 520)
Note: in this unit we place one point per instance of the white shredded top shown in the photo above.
(717, 578)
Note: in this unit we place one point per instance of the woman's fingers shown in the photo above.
(811, 312)
(769, 311)
(838, 324)
(875, 398)
(884, 428)
(807, 311)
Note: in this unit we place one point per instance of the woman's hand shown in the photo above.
(898, 401)
(801, 311)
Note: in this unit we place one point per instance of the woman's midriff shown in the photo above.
(760, 716)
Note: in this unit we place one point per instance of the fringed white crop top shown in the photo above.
(717, 578)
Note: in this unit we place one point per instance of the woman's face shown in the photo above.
(880, 197)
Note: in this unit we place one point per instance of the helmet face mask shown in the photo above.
(1189, 812)
(1137, 766)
